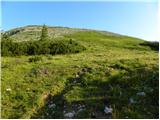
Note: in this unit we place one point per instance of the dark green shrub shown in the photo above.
(44, 33)
(35, 59)
(152, 45)
(40, 47)
(6, 45)
(44, 48)
(19, 49)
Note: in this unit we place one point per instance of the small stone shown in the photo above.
(120, 93)
(77, 76)
(52, 106)
(80, 110)
(81, 106)
(74, 81)
(8, 89)
(93, 115)
(108, 110)
(69, 115)
(141, 93)
(45, 96)
(47, 114)
(28, 89)
(126, 117)
(132, 101)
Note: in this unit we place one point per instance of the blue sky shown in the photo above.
(138, 19)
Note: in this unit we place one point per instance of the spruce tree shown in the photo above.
(44, 33)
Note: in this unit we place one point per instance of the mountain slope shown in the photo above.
(114, 71)
(32, 32)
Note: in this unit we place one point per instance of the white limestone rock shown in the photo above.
(69, 115)
(8, 89)
(132, 101)
(52, 105)
(108, 110)
(141, 93)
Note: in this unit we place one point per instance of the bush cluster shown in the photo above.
(152, 45)
(10, 48)
(35, 59)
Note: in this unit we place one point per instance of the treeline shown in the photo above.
(9, 48)
(42, 46)
(152, 45)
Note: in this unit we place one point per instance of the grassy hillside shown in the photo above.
(32, 32)
(114, 71)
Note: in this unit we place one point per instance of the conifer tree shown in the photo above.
(44, 33)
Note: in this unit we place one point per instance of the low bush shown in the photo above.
(35, 59)
(152, 45)
(10, 48)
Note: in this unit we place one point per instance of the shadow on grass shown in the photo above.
(84, 97)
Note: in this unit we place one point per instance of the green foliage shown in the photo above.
(4, 36)
(118, 88)
(44, 33)
(40, 47)
(35, 59)
(13, 32)
(152, 45)
(113, 67)
(6, 45)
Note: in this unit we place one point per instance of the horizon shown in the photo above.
(76, 28)
(135, 19)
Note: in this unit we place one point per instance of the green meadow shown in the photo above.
(114, 70)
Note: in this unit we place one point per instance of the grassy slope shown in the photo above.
(112, 67)
(33, 32)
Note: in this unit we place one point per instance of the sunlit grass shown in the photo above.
(120, 68)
